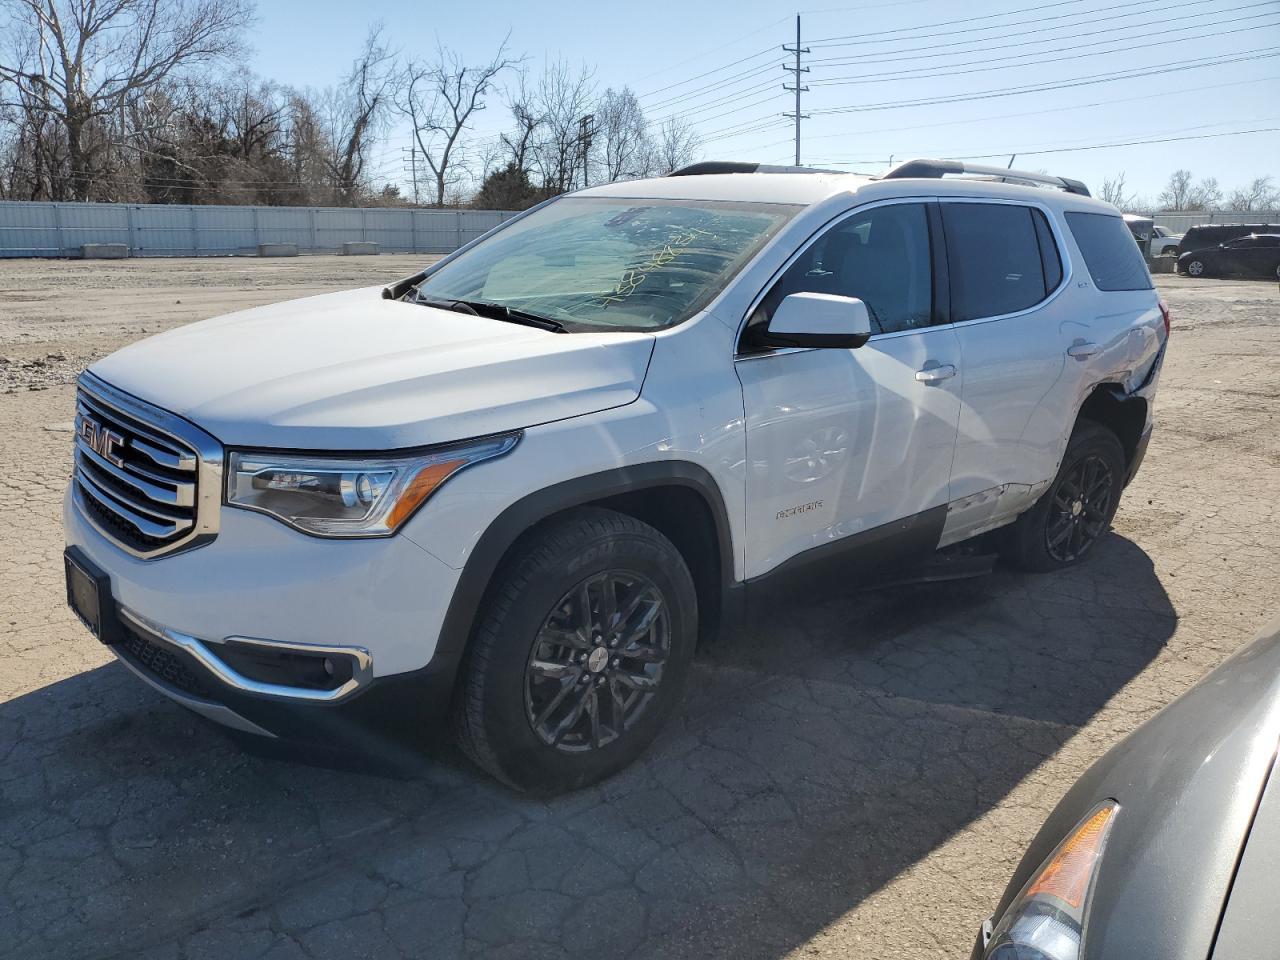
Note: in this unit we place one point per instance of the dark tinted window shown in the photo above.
(1109, 252)
(881, 256)
(993, 256)
(1049, 257)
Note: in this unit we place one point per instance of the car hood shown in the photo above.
(352, 371)
(1188, 782)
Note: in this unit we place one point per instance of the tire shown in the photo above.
(1080, 504)
(544, 651)
(1195, 268)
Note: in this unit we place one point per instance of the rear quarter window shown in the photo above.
(1113, 259)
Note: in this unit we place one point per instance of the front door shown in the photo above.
(845, 442)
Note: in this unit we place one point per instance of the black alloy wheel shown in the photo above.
(597, 661)
(1081, 509)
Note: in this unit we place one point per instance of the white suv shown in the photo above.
(519, 487)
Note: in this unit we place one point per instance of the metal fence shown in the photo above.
(1179, 221)
(32, 229)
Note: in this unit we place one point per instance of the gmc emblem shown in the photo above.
(105, 443)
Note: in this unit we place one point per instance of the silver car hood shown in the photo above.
(1188, 782)
(351, 371)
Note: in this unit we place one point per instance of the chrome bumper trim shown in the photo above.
(207, 709)
(362, 669)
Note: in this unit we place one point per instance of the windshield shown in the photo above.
(611, 264)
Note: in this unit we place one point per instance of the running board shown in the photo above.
(940, 569)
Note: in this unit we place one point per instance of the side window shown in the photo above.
(994, 258)
(1112, 264)
(881, 256)
(1050, 259)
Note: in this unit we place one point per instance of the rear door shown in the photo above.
(849, 447)
(1015, 330)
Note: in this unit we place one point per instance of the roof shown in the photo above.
(802, 188)
(809, 188)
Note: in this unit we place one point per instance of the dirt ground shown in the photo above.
(855, 778)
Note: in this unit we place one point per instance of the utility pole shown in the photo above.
(798, 88)
(586, 132)
(412, 169)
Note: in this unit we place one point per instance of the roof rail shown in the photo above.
(934, 169)
(708, 167)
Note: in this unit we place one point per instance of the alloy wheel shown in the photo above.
(597, 661)
(1081, 509)
(1195, 268)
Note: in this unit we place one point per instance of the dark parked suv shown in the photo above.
(1257, 255)
(1212, 234)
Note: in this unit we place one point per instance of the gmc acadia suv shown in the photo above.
(516, 489)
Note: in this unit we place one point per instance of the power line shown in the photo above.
(919, 53)
(1093, 146)
(931, 73)
(1036, 113)
(1244, 56)
(855, 40)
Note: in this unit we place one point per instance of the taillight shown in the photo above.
(1164, 312)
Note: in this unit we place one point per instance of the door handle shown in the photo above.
(1082, 350)
(943, 371)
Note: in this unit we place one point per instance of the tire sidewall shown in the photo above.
(525, 759)
(1030, 549)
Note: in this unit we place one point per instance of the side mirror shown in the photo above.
(819, 320)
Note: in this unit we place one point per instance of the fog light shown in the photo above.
(287, 667)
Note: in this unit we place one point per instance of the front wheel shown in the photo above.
(1195, 268)
(1076, 512)
(581, 653)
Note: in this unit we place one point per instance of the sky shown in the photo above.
(887, 80)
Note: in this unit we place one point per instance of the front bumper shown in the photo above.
(382, 712)
(376, 605)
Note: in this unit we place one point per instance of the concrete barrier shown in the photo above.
(359, 248)
(1162, 264)
(277, 249)
(104, 251)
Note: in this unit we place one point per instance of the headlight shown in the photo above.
(1046, 920)
(348, 496)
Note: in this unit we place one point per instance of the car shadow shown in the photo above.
(818, 755)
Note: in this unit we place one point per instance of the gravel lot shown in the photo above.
(851, 779)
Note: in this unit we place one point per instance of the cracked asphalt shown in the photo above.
(855, 777)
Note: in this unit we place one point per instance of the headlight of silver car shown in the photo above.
(356, 496)
(1046, 920)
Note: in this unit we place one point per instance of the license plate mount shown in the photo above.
(89, 596)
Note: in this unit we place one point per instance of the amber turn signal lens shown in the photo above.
(1067, 875)
(419, 488)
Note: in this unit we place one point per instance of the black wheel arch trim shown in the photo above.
(517, 519)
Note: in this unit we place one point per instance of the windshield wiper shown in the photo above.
(495, 311)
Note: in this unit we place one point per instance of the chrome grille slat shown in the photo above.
(100, 412)
(164, 458)
(144, 478)
(144, 524)
(153, 498)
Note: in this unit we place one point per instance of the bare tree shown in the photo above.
(440, 99)
(1258, 195)
(677, 146)
(80, 61)
(564, 97)
(354, 113)
(528, 119)
(1181, 193)
(623, 135)
(1177, 191)
(1113, 190)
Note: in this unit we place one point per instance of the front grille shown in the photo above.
(162, 663)
(141, 473)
